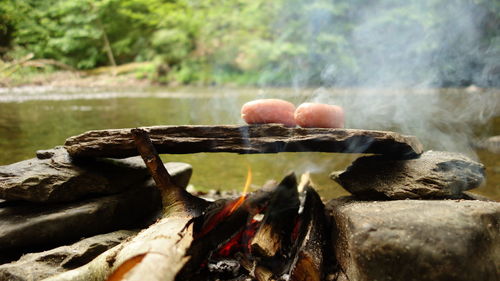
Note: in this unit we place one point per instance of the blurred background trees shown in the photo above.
(257, 42)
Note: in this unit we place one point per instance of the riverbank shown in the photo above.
(127, 75)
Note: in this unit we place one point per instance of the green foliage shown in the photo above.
(261, 42)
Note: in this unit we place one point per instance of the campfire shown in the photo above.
(282, 231)
(276, 233)
(272, 234)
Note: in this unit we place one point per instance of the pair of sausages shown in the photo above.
(307, 115)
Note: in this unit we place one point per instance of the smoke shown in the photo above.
(405, 51)
(444, 119)
(390, 64)
(390, 43)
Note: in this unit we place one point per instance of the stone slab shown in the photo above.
(434, 174)
(54, 177)
(269, 138)
(25, 225)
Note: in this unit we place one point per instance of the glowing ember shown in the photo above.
(240, 242)
(228, 209)
(260, 235)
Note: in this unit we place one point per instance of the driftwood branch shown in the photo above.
(270, 138)
(158, 252)
(160, 248)
(151, 159)
(173, 197)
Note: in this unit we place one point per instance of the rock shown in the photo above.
(180, 172)
(266, 138)
(37, 266)
(491, 144)
(53, 177)
(434, 174)
(417, 239)
(28, 224)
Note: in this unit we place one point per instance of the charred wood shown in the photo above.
(273, 236)
(202, 247)
(311, 262)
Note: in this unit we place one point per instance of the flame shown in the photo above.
(245, 191)
(227, 209)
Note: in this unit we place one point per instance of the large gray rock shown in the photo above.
(37, 266)
(53, 177)
(28, 224)
(417, 239)
(434, 174)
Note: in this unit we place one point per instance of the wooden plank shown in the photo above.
(268, 138)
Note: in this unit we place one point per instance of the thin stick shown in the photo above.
(174, 198)
(152, 159)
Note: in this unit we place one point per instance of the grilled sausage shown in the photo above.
(317, 115)
(269, 111)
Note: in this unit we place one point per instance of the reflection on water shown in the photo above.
(32, 119)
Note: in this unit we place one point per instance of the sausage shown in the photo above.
(318, 115)
(268, 111)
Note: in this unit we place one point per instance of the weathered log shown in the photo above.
(157, 253)
(269, 138)
(161, 245)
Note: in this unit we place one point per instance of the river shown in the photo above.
(34, 118)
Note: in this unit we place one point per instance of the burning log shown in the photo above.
(284, 244)
(311, 260)
(269, 138)
(272, 238)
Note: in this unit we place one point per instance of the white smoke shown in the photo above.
(397, 74)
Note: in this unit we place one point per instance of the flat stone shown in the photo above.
(37, 266)
(27, 225)
(417, 239)
(55, 177)
(267, 138)
(434, 174)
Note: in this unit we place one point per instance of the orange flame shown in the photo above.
(245, 191)
(228, 209)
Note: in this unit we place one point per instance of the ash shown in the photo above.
(225, 268)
